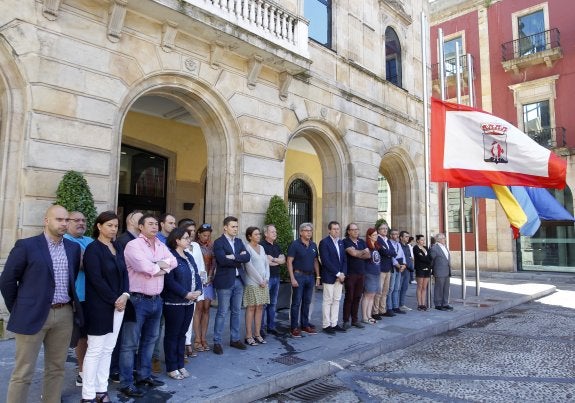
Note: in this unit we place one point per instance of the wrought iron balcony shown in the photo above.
(543, 47)
(451, 68)
(550, 137)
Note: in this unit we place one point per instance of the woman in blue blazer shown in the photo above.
(182, 286)
(106, 298)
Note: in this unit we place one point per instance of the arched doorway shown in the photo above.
(300, 204)
(199, 137)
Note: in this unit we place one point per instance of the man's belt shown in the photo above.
(146, 296)
(307, 273)
(59, 305)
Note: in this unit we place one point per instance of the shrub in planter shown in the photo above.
(74, 194)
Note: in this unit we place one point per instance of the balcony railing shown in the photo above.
(530, 45)
(265, 18)
(550, 137)
(450, 67)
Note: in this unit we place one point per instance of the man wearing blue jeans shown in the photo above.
(392, 303)
(302, 264)
(230, 253)
(275, 260)
(147, 260)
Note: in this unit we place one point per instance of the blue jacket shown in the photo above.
(226, 268)
(27, 283)
(178, 282)
(387, 253)
(331, 263)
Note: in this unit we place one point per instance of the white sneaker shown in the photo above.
(404, 308)
(413, 282)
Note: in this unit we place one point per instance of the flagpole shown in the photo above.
(425, 118)
(461, 190)
(442, 90)
(471, 93)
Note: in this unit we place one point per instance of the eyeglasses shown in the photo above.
(77, 220)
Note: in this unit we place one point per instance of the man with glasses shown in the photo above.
(38, 289)
(357, 254)
(147, 260)
(275, 259)
(409, 266)
(76, 231)
(302, 264)
(398, 261)
(387, 253)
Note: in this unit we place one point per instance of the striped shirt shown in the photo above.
(60, 266)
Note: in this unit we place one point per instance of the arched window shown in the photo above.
(392, 57)
(299, 204)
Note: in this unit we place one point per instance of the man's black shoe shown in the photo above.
(377, 316)
(440, 308)
(358, 325)
(447, 307)
(328, 330)
(149, 381)
(115, 377)
(338, 328)
(132, 391)
(389, 314)
(238, 344)
(218, 349)
(399, 311)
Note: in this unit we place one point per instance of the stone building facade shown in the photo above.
(260, 105)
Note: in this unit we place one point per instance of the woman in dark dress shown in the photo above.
(182, 286)
(106, 299)
(422, 263)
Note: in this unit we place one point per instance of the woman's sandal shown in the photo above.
(189, 351)
(184, 372)
(102, 397)
(251, 342)
(205, 345)
(176, 375)
(198, 346)
(260, 340)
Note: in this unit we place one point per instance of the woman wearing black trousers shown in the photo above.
(106, 298)
(182, 286)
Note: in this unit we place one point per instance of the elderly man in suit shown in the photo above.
(441, 269)
(38, 288)
(333, 271)
(230, 252)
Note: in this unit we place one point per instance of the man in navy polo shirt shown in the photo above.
(302, 264)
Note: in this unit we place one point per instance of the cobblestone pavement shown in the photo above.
(524, 354)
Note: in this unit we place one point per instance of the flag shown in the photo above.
(515, 214)
(548, 207)
(533, 222)
(472, 147)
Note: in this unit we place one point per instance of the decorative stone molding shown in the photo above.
(169, 32)
(285, 81)
(50, 9)
(116, 21)
(254, 69)
(216, 54)
(191, 65)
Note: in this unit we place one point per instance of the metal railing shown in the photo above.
(549, 137)
(450, 67)
(532, 44)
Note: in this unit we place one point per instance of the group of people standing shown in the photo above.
(374, 272)
(111, 296)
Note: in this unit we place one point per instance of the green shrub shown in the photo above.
(277, 214)
(74, 194)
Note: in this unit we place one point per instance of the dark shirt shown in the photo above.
(304, 256)
(272, 249)
(373, 265)
(355, 265)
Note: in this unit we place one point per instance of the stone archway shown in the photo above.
(220, 131)
(399, 170)
(334, 160)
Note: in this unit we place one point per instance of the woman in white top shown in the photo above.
(196, 252)
(256, 292)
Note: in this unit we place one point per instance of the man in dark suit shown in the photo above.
(441, 269)
(38, 288)
(387, 253)
(333, 271)
(230, 253)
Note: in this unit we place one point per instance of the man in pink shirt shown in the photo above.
(147, 260)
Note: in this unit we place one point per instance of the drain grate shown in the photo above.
(312, 392)
(288, 360)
